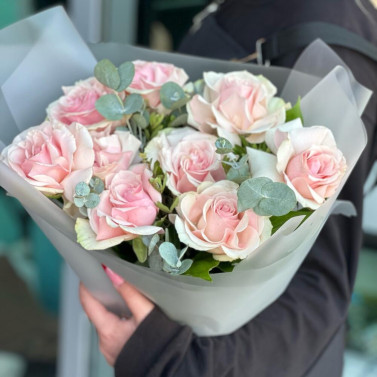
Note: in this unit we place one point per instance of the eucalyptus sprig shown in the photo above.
(87, 195)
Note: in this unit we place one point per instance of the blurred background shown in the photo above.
(44, 332)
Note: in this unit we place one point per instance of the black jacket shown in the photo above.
(302, 333)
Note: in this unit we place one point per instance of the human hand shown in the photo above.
(114, 332)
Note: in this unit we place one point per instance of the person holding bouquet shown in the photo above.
(302, 333)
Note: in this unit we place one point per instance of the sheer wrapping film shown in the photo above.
(44, 52)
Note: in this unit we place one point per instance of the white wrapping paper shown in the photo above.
(44, 52)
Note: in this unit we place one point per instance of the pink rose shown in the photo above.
(309, 161)
(52, 157)
(78, 105)
(113, 152)
(187, 157)
(208, 220)
(236, 103)
(126, 210)
(149, 78)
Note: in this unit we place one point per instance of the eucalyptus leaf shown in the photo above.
(126, 73)
(240, 171)
(153, 242)
(180, 103)
(133, 103)
(202, 265)
(82, 189)
(185, 266)
(170, 93)
(97, 185)
(83, 211)
(179, 121)
(138, 121)
(78, 201)
(169, 253)
(265, 197)
(107, 74)
(140, 250)
(223, 146)
(92, 200)
(110, 107)
(155, 261)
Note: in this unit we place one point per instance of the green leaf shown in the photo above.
(223, 146)
(240, 171)
(185, 266)
(169, 253)
(126, 73)
(226, 266)
(155, 120)
(202, 265)
(179, 121)
(278, 221)
(92, 200)
(97, 185)
(265, 197)
(83, 211)
(110, 107)
(138, 121)
(140, 250)
(170, 93)
(107, 74)
(163, 207)
(82, 189)
(294, 112)
(153, 242)
(180, 103)
(133, 103)
(78, 201)
(174, 204)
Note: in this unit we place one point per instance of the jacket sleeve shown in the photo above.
(288, 337)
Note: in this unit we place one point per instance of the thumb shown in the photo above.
(138, 304)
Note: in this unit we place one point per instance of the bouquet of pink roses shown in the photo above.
(206, 194)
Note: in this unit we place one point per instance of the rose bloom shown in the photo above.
(113, 152)
(309, 161)
(126, 210)
(149, 78)
(236, 103)
(188, 157)
(52, 157)
(208, 220)
(78, 105)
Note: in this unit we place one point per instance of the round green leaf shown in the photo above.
(179, 121)
(171, 93)
(110, 107)
(133, 103)
(92, 200)
(126, 72)
(79, 202)
(223, 146)
(97, 185)
(139, 121)
(265, 197)
(169, 253)
(107, 74)
(82, 189)
(278, 200)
